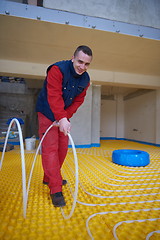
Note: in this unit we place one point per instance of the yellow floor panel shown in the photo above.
(114, 202)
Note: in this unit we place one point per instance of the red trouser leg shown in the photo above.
(62, 152)
(54, 150)
(63, 147)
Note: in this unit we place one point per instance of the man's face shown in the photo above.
(81, 62)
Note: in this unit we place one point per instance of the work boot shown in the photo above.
(58, 199)
(45, 183)
(64, 182)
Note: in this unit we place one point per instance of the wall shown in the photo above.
(112, 117)
(137, 118)
(140, 118)
(16, 100)
(141, 12)
(81, 122)
(96, 110)
(85, 122)
(108, 118)
(119, 116)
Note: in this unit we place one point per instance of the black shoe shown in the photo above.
(46, 183)
(64, 182)
(58, 199)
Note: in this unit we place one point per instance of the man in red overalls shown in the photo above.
(63, 92)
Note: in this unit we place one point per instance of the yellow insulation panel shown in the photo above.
(114, 202)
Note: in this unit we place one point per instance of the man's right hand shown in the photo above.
(64, 126)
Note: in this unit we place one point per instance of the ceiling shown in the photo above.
(111, 90)
(30, 40)
(34, 41)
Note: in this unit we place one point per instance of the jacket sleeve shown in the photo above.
(54, 91)
(76, 103)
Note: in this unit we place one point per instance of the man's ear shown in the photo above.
(72, 58)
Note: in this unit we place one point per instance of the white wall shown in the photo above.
(81, 121)
(108, 118)
(119, 116)
(86, 121)
(137, 118)
(140, 118)
(96, 110)
(112, 117)
(141, 12)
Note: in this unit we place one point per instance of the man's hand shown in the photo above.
(64, 126)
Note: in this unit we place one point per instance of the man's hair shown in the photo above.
(84, 49)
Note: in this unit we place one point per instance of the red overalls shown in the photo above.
(54, 150)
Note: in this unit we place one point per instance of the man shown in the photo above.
(63, 92)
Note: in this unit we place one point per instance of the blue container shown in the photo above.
(130, 158)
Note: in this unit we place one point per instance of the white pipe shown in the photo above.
(26, 190)
(76, 180)
(151, 233)
(130, 221)
(76, 171)
(22, 160)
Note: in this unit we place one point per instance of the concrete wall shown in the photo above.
(137, 118)
(108, 118)
(141, 12)
(96, 110)
(119, 116)
(112, 117)
(17, 101)
(85, 128)
(81, 122)
(140, 118)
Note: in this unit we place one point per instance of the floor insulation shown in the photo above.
(114, 202)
